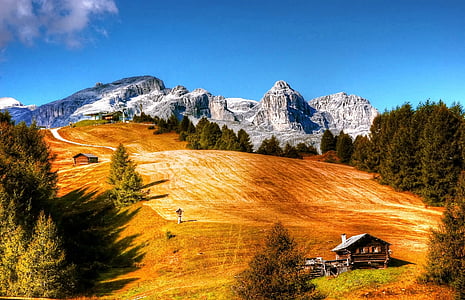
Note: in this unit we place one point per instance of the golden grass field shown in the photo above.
(230, 199)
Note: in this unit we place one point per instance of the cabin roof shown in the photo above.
(353, 239)
(86, 155)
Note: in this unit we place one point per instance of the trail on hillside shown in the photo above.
(57, 135)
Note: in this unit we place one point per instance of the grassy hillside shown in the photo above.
(230, 199)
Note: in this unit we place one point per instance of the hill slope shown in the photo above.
(231, 198)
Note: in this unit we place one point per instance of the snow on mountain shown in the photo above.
(17, 110)
(282, 111)
(7, 102)
(350, 113)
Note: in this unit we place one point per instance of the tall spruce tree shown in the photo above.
(276, 272)
(127, 183)
(362, 150)
(270, 147)
(209, 135)
(26, 160)
(42, 270)
(440, 154)
(328, 142)
(344, 147)
(446, 256)
(13, 241)
(291, 152)
(245, 144)
(228, 140)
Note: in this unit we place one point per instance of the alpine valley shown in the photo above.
(282, 111)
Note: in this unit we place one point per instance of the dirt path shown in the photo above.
(57, 135)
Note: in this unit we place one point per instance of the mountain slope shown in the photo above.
(230, 199)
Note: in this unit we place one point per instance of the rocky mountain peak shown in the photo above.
(179, 91)
(282, 108)
(281, 85)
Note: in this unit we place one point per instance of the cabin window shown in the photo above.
(376, 249)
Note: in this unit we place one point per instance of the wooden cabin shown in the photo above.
(84, 159)
(363, 251)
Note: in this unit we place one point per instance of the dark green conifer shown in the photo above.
(291, 152)
(245, 144)
(328, 142)
(42, 269)
(126, 182)
(440, 154)
(344, 147)
(446, 256)
(276, 272)
(270, 147)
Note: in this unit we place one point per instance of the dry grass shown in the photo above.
(231, 199)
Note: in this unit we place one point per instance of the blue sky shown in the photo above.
(389, 52)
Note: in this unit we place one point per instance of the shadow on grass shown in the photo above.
(395, 262)
(91, 228)
(154, 183)
(157, 197)
(113, 286)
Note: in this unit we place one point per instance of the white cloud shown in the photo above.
(62, 20)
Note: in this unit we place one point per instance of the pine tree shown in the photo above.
(270, 147)
(328, 142)
(184, 125)
(193, 139)
(291, 152)
(446, 256)
(277, 271)
(304, 148)
(344, 147)
(245, 144)
(228, 140)
(13, 240)
(362, 149)
(127, 183)
(26, 159)
(209, 135)
(42, 269)
(440, 154)
(173, 124)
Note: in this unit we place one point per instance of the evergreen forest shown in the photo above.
(419, 150)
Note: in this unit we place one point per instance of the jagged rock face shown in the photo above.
(219, 109)
(101, 98)
(282, 112)
(350, 113)
(282, 108)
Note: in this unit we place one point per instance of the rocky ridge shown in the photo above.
(282, 111)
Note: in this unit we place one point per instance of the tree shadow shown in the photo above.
(157, 197)
(395, 262)
(154, 183)
(91, 228)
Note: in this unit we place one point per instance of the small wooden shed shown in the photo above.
(363, 251)
(84, 159)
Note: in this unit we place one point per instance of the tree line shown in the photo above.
(49, 246)
(419, 150)
(208, 135)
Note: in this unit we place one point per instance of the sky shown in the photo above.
(389, 52)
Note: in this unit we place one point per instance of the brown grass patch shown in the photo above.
(230, 199)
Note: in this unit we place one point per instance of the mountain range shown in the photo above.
(282, 111)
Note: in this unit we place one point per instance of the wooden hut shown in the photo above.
(363, 251)
(84, 159)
